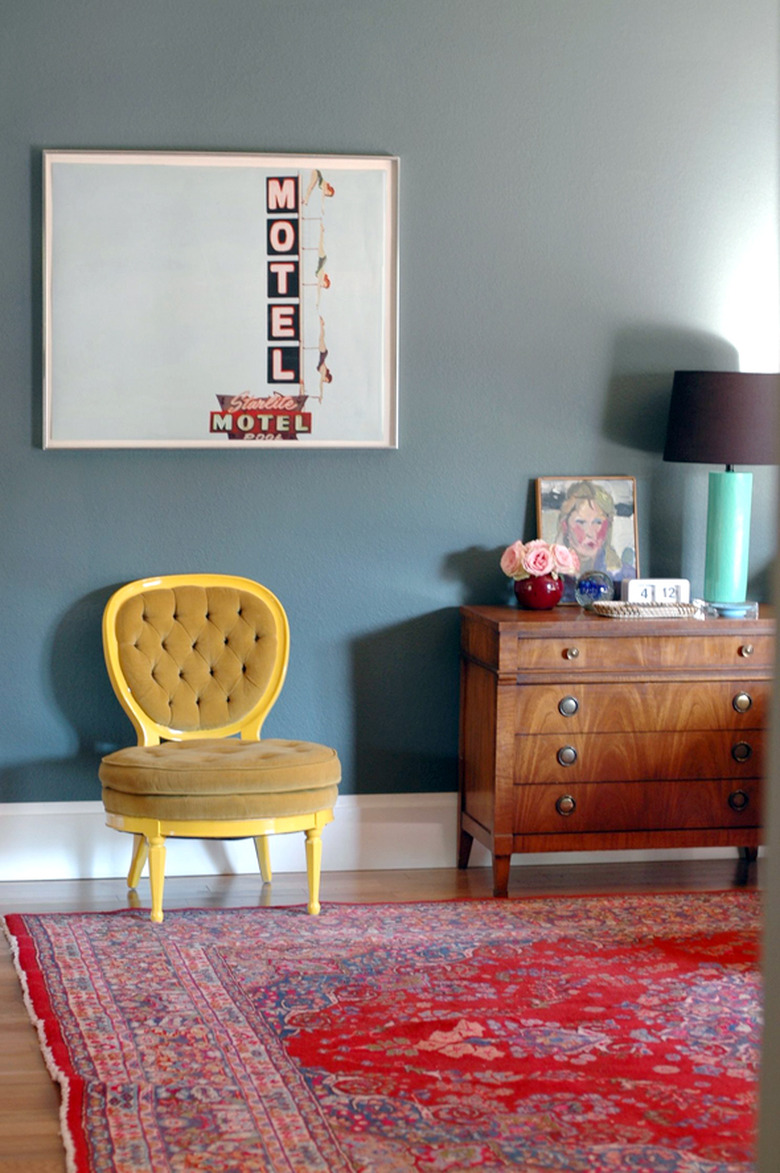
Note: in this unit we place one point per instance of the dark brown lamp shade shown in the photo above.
(723, 417)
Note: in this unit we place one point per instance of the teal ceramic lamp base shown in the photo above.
(728, 536)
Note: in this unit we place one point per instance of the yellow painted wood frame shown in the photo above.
(249, 725)
(151, 833)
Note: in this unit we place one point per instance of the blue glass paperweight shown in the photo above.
(594, 586)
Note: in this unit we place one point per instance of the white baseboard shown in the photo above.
(69, 840)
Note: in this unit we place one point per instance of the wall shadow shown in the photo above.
(79, 685)
(477, 569)
(635, 415)
(644, 359)
(405, 681)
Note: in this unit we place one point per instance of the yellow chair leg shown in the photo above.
(140, 855)
(264, 857)
(313, 862)
(157, 876)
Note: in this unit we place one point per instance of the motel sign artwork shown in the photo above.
(280, 416)
(219, 300)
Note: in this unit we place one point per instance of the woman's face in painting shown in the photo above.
(587, 528)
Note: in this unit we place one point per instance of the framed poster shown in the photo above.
(219, 300)
(595, 517)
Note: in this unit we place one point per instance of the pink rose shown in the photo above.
(538, 559)
(566, 560)
(512, 560)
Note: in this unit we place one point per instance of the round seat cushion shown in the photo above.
(220, 778)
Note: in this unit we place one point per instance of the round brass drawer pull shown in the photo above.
(572, 653)
(566, 805)
(741, 751)
(567, 755)
(746, 650)
(742, 702)
(568, 706)
(738, 800)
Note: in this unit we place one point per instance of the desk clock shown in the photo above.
(655, 590)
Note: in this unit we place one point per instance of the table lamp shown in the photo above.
(725, 417)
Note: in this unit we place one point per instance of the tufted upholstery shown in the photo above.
(196, 768)
(195, 660)
(220, 779)
(196, 657)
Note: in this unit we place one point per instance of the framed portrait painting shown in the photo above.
(219, 300)
(596, 518)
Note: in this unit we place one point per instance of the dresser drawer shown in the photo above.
(636, 806)
(604, 757)
(649, 653)
(572, 706)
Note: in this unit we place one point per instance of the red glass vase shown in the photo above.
(539, 593)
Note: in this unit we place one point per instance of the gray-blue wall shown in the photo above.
(588, 201)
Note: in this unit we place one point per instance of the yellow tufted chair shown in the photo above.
(196, 660)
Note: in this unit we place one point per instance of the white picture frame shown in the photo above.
(215, 300)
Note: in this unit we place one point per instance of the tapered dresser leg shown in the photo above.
(501, 874)
(464, 848)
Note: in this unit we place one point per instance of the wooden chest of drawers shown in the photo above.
(579, 733)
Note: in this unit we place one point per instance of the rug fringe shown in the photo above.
(57, 1075)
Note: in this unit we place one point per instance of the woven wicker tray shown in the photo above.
(615, 610)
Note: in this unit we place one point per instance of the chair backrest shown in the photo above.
(198, 655)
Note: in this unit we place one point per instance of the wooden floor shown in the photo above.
(29, 1101)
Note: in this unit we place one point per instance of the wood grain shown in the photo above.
(651, 726)
(640, 706)
(660, 756)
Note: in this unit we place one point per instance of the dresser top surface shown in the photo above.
(540, 624)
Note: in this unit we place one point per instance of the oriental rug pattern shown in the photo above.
(599, 1034)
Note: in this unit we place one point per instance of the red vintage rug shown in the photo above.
(592, 1034)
